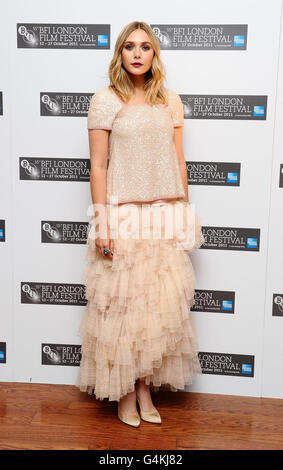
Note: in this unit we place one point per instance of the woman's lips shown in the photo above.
(136, 65)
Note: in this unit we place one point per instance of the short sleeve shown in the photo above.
(177, 109)
(102, 111)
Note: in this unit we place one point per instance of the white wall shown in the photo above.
(272, 365)
(257, 145)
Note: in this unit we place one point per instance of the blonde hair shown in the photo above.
(120, 81)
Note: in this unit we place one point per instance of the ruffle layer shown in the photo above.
(137, 322)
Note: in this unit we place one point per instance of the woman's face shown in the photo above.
(137, 48)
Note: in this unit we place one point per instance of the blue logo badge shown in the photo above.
(251, 242)
(227, 305)
(232, 177)
(246, 368)
(239, 41)
(258, 110)
(102, 40)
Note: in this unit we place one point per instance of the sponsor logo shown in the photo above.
(3, 357)
(2, 230)
(277, 305)
(247, 107)
(50, 293)
(213, 173)
(63, 36)
(215, 301)
(227, 364)
(231, 238)
(60, 354)
(201, 37)
(54, 169)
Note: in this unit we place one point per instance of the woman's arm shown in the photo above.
(178, 139)
(98, 146)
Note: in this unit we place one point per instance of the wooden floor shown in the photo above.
(43, 416)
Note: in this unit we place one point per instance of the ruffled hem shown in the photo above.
(137, 322)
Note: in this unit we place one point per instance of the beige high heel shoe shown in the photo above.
(133, 419)
(150, 416)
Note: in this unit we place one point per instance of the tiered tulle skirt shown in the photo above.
(137, 321)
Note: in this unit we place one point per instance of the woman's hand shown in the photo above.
(102, 243)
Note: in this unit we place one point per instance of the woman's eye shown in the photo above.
(144, 47)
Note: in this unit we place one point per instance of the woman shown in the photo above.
(137, 332)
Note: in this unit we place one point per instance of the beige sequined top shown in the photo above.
(143, 162)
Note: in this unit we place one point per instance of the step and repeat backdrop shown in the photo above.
(226, 62)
